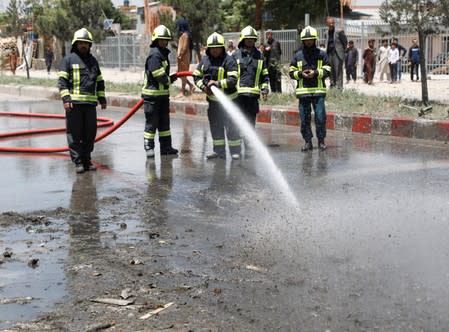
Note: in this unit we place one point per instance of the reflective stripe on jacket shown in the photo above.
(310, 59)
(222, 69)
(252, 72)
(80, 80)
(156, 77)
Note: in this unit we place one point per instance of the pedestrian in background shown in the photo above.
(253, 79)
(402, 51)
(13, 60)
(413, 56)
(298, 46)
(351, 61)
(369, 62)
(273, 54)
(219, 69)
(48, 55)
(156, 94)
(336, 46)
(231, 48)
(81, 87)
(184, 54)
(393, 58)
(382, 63)
(309, 68)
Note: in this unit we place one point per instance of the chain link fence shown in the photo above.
(130, 52)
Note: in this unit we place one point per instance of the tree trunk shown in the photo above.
(422, 64)
(258, 18)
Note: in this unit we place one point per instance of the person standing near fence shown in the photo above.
(156, 94)
(351, 60)
(183, 55)
(337, 43)
(393, 58)
(402, 51)
(369, 62)
(382, 63)
(413, 56)
(273, 54)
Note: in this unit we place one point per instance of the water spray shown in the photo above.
(239, 119)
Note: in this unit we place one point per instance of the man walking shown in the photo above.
(336, 46)
(81, 86)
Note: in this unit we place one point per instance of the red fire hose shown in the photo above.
(102, 122)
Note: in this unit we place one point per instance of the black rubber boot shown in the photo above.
(322, 146)
(307, 147)
(166, 147)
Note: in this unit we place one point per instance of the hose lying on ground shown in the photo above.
(103, 122)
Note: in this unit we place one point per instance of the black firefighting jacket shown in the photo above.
(222, 69)
(157, 69)
(252, 72)
(80, 80)
(311, 58)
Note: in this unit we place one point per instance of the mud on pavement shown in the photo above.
(125, 270)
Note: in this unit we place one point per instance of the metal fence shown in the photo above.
(131, 51)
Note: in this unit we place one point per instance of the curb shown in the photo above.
(357, 123)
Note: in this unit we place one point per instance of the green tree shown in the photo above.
(292, 12)
(202, 22)
(237, 14)
(14, 18)
(61, 18)
(421, 16)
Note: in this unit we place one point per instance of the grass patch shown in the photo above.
(349, 101)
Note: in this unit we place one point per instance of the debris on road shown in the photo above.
(156, 311)
(113, 301)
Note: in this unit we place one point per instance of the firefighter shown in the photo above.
(155, 93)
(219, 69)
(81, 87)
(253, 78)
(310, 67)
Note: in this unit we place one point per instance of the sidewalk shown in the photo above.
(400, 126)
(438, 85)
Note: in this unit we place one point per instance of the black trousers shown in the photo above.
(249, 105)
(157, 117)
(414, 68)
(275, 77)
(219, 121)
(81, 129)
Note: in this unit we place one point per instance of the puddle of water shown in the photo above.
(45, 284)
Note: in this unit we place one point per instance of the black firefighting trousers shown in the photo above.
(81, 129)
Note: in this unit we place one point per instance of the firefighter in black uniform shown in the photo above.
(155, 92)
(219, 69)
(253, 78)
(81, 87)
(310, 67)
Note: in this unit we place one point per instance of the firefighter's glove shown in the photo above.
(212, 83)
(173, 77)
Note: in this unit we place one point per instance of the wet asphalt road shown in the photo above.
(367, 243)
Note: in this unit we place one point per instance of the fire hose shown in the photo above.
(101, 122)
